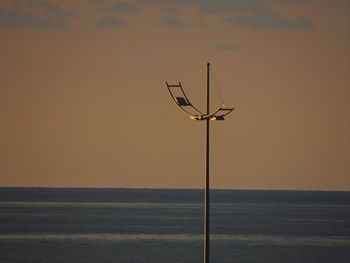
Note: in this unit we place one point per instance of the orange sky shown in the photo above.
(83, 101)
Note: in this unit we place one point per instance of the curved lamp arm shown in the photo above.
(183, 102)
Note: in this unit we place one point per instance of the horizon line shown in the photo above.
(173, 188)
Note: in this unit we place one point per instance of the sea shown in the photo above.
(58, 225)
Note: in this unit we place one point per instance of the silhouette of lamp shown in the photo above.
(219, 114)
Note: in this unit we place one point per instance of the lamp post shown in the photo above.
(207, 181)
(182, 101)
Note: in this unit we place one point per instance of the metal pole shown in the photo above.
(207, 186)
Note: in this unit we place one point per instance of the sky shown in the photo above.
(83, 101)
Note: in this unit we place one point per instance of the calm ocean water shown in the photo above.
(149, 225)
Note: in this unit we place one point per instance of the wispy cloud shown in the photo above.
(212, 6)
(244, 13)
(18, 18)
(228, 6)
(97, 1)
(110, 21)
(252, 13)
(304, 23)
(173, 22)
(227, 46)
(200, 24)
(124, 7)
(50, 8)
(51, 15)
(268, 19)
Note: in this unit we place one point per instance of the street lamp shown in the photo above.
(219, 114)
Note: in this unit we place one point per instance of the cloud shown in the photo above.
(170, 2)
(250, 13)
(200, 24)
(170, 11)
(227, 46)
(173, 22)
(124, 7)
(267, 19)
(15, 3)
(97, 1)
(110, 21)
(18, 18)
(51, 9)
(213, 6)
(228, 6)
(304, 23)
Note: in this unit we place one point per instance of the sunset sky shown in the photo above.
(83, 101)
